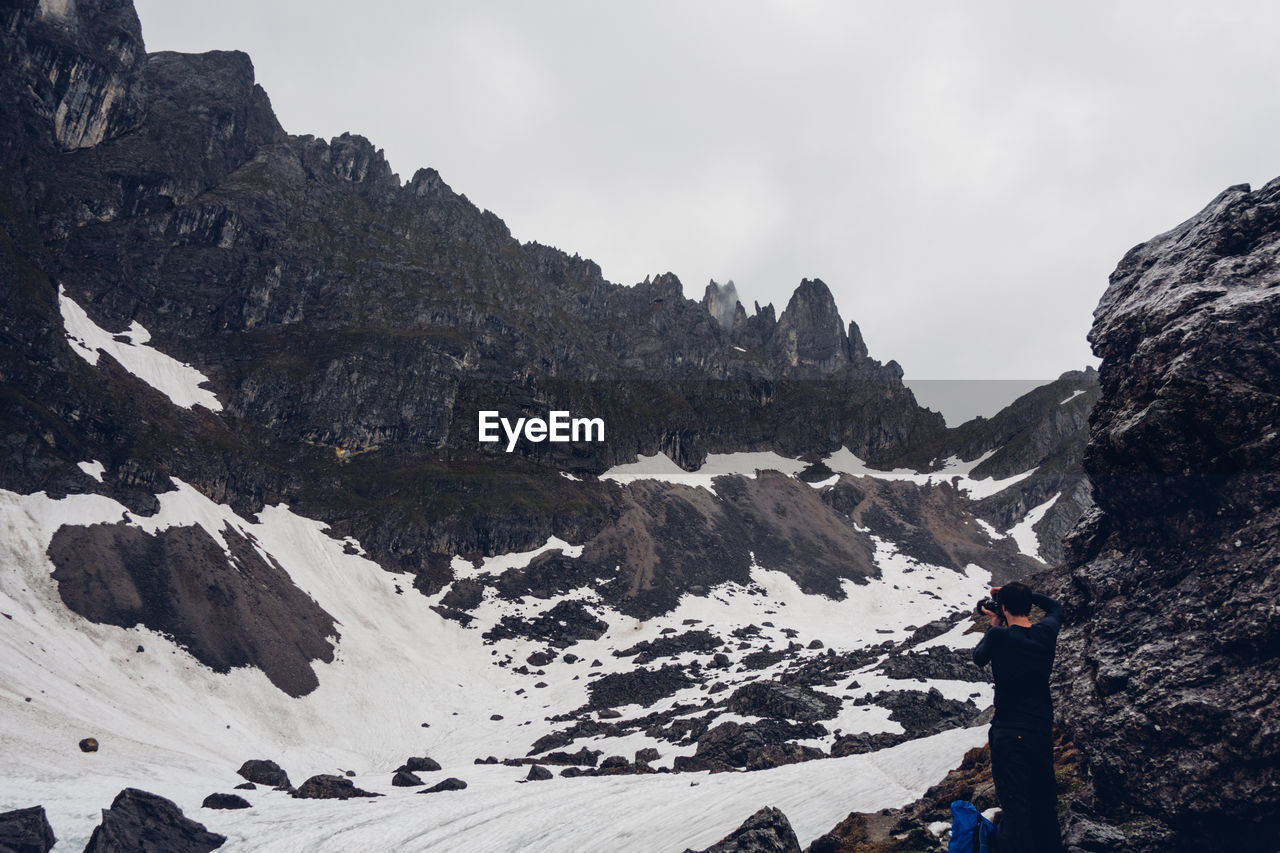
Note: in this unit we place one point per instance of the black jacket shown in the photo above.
(1021, 660)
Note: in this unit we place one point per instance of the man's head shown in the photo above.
(1015, 598)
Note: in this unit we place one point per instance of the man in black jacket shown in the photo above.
(1021, 735)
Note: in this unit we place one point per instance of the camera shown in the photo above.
(992, 605)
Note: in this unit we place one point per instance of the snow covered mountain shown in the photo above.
(247, 515)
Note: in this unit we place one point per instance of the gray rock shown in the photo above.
(264, 772)
(450, 784)
(406, 779)
(766, 831)
(141, 821)
(1166, 674)
(225, 801)
(327, 787)
(26, 831)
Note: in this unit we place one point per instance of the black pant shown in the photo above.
(1022, 767)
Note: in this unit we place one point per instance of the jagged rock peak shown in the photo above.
(82, 64)
(354, 158)
(810, 332)
(722, 303)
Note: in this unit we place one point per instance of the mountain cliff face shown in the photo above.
(339, 331)
(240, 375)
(1167, 668)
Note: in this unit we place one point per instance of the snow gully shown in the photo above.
(558, 426)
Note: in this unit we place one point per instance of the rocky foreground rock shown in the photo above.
(1167, 670)
(26, 831)
(141, 822)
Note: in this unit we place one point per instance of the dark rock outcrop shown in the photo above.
(639, 686)
(226, 801)
(420, 764)
(1167, 666)
(406, 779)
(732, 744)
(264, 772)
(450, 784)
(782, 702)
(938, 662)
(766, 831)
(138, 820)
(26, 831)
(327, 787)
(121, 575)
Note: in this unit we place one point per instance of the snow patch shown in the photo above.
(1023, 532)
(177, 381)
(746, 464)
(94, 469)
(954, 470)
(1072, 397)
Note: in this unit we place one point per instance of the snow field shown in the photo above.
(843, 461)
(172, 726)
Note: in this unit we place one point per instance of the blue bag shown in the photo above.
(970, 831)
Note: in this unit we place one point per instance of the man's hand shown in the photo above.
(995, 619)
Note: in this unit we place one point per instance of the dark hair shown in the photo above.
(1016, 598)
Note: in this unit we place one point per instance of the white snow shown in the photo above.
(649, 814)
(179, 382)
(954, 470)
(660, 467)
(94, 469)
(1072, 397)
(171, 725)
(1023, 532)
(496, 565)
(843, 461)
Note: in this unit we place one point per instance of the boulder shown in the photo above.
(26, 831)
(141, 821)
(89, 744)
(766, 831)
(450, 784)
(327, 787)
(225, 801)
(538, 773)
(406, 779)
(264, 772)
(420, 764)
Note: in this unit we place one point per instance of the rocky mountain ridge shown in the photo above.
(350, 326)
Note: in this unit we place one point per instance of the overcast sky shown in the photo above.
(964, 176)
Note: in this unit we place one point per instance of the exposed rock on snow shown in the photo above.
(782, 702)
(121, 575)
(406, 779)
(450, 784)
(225, 801)
(264, 772)
(766, 831)
(138, 820)
(327, 787)
(26, 831)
